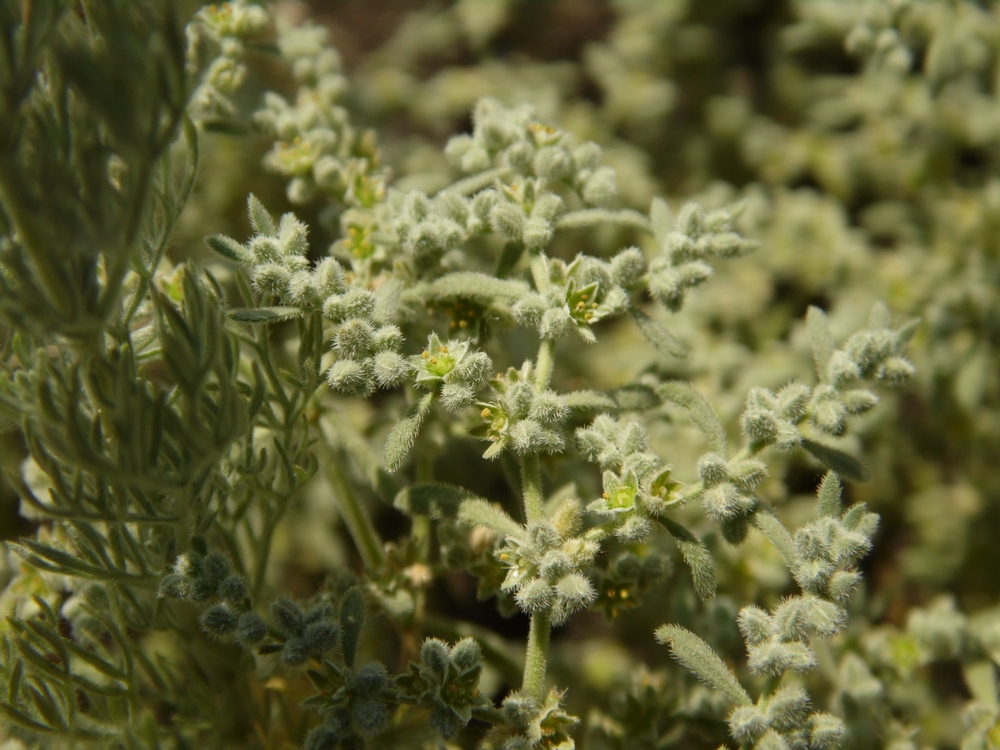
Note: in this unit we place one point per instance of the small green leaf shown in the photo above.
(405, 432)
(698, 656)
(589, 401)
(828, 496)
(820, 338)
(437, 501)
(265, 314)
(481, 512)
(833, 458)
(696, 556)
(702, 414)
(260, 219)
(227, 247)
(352, 619)
(659, 337)
(778, 535)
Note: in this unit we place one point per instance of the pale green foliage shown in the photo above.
(210, 456)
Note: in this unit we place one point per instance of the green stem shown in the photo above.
(536, 657)
(531, 488)
(359, 525)
(544, 363)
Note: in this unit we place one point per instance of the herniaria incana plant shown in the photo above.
(426, 374)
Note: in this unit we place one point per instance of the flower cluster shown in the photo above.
(521, 418)
(871, 356)
(317, 148)
(358, 709)
(459, 371)
(634, 478)
(821, 555)
(446, 681)
(222, 32)
(687, 242)
(580, 294)
(530, 724)
(206, 577)
(367, 347)
(511, 140)
(545, 565)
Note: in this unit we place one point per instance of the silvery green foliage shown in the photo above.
(367, 349)
(166, 452)
(446, 679)
(688, 242)
(461, 374)
(546, 562)
(847, 375)
(316, 146)
(822, 555)
(218, 40)
(521, 418)
(580, 295)
(511, 140)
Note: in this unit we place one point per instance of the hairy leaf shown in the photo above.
(702, 414)
(844, 464)
(405, 432)
(696, 556)
(698, 656)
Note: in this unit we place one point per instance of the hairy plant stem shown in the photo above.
(531, 488)
(544, 363)
(536, 657)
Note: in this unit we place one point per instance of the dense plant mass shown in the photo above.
(439, 432)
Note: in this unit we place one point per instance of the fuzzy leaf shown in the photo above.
(469, 285)
(778, 535)
(828, 496)
(227, 247)
(635, 397)
(437, 501)
(352, 619)
(661, 219)
(404, 434)
(260, 219)
(659, 337)
(589, 401)
(481, 512)
(702, 414)
(698, 656)
(844, 464)
(696, 556)
(820, 338)
(265, 314)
